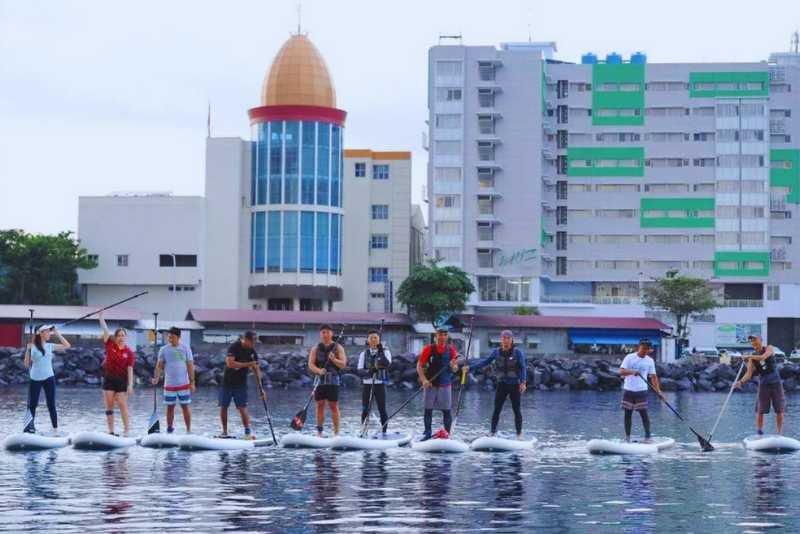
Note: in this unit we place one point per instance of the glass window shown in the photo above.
(275, 162)
(259, 245)
(451, 121)
(336, 244)
(290, 241)
(177, 260)
(448, 68)
(323, 224)
(307, 164)
(486, 124)
(448, 201)
(307, 242)
(378, 274)
(379, 241)
(447, 175)
(122, 260)
(485, 232)
(447, 228)
(360, 169)
(705, 239)
(380, 172)
(485, 206)
(486, 71)
(448, 254)
(485, 258)
(485, 151)
(446, 94)
(274, 241)
(336, 153)
(291, 146)
(773, 292)
(380, 211)
(447, 148)
(260, 164)
(485, 98)
(323, 163)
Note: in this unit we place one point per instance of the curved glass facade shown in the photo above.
(296, 196)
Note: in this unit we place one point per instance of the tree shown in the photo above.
(526, 310)
(40, 269)
(430, 291)
(682, 296)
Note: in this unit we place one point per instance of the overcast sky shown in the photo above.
(102, 96)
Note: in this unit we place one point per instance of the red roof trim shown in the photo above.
(296, 317)
(310, 113)
(44, 313)
(562, 321)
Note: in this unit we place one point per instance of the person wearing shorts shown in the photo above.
(326, 360)
(117, 375)
(762, 363)
(435, 367)
(636, 368)
(177, 363)
(241, 357)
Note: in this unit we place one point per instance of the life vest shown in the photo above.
(506, 364)
(438, 365)
(765, 367)
(325, 361)
(379, 361)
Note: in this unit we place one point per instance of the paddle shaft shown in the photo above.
(419, 390)
(725, 404)
(673, 410)
(153, 425)
(137, 295)
(28, 414)
(463, 377)
(263, 395)
(365, 424)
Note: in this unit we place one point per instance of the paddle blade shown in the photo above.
(28, 425)
(299, 420)
(153, 427)
(705, 444)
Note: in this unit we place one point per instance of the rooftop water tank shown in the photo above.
(588, 59)
(613, 58)
(639, 58)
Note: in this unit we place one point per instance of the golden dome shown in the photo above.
(298, 77)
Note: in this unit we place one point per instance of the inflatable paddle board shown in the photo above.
(371, 442)
(299, 440)
(616, 446)
(160, 440)
(502, 444)
(100, 441)
(773, 444)
(25, 441)
(440, 445)
(205, 443)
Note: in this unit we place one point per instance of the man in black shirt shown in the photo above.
(241, 357)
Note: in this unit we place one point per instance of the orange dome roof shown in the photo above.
(298, 77)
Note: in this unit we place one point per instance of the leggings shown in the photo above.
(49, 386)
(503, 391)
(629, 421)
(447, 417)
(380, 398)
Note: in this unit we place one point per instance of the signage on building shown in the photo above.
(735, 335)
(518, 257)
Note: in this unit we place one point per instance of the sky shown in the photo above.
(99, 96)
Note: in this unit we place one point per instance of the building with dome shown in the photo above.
(290, 220)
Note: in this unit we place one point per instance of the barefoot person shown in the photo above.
(435, 368)
(770, 386)
(117, 375)
(177, 363)
(241, 357)
(636, 368)
(39, 361)
(511, 374)
(326, 360)
(373, 365)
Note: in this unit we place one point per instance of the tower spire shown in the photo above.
(299, 16)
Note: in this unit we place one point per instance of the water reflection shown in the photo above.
(508, 488)
(40, 479)
(768, 486)
(434, 484)
(637, 490)
(324, 488)
(115, 478)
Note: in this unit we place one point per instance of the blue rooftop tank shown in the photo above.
(639, 58)
(589, 59)
(613, 58)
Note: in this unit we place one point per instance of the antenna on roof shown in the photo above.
(530, 33)
(299, 16)
(452, 37)
(795, 42)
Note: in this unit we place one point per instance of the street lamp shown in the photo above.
(174, 286)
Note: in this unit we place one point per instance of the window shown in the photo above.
(282, 304)
(180, 288)
(448, 68)
(704, 111)
(781, 214)
(666, 188)
(310, 305)
(448, 122)
(617, 188)
(579, 239)
(122, 260)
(378, 274)
(666, 162)
(703, 188)
(380, 172)
(444, 94)
(273, 241)
(703, 136)
(496, 288)
(704, 162)
(485, 98)
(380, 211)
(727, 212)
(616, 214)
(616, 239)
(447, 148)
(485, 232)
(579, 188)
(485, 258)
(447, 175)
(449, 254)
(485, 151)
(754, 238)
(773, 292)
(485, 206)
(447, 201)
(780, 240)
(574, 214)
(485, 182)
(620, 137)
(307, 242)
(667, 239)
(727, 238)
(666, 265)
(181, 260)
(666, 112)
(486, 71)
(561, 265)
(617, 265)
(377, 296)
(751, 110)
(561, 240)
(561, 215)
(290, 241)
(94, 258)
(671, 137)
(447, 228)
(703, 265)
(360, 169)
(379, 241)
(561, 190)
(307, 162)
(704, 239)
(486, 124)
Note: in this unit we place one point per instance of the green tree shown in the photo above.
(431, 290)
(682, 296)
(40, 269)
(526, 310)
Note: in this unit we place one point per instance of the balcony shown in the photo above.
(777, 253)
(778, 204)
(777, 126)
(742, 303)
(588, 299)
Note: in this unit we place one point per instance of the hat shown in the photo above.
(175, 331)
(442, 328)
(325, 326)
(751, 337)
(43, 327)
(506, 333)
(646, 342)
(250, 335)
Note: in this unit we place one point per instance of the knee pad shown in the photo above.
(109, 412)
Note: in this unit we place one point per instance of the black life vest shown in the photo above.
(379, 361)
(324, 360)
(438, 365)
(506, 364)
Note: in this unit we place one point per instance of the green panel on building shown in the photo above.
(735, 263)
(622, 103)
(601, 161)
(728, 84)
(690, 208)
(787, 175)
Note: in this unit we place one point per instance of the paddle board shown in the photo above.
(159, 440)
(440, 445)
(25, 441)
(616, 446)
(502, 444)
(371, 442)
(100, 441)
(193, 442)
(771, 443)
(298, 440)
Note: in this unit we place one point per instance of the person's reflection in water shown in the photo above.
(509, 489)
(639, 516)
(40, 478)
(374, 477)
(436, 473)
(325, 487)
(116, 480)
(768, 484)
(237, 480)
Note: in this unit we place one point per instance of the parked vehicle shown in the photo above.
(795, 354)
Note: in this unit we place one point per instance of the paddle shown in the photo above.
(300, 417)
(28, 425)
(153, 425)
(365, 424)
(463, 378)
(263, 395)
(725, 404)
(417, 392)
(704, 443)
(137, 295)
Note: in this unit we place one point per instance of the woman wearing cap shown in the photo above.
(117, 375)
(177, 362)
(39, 361)
(435, 368)
(511, 374)
(636, 368)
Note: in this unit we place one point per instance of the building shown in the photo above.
(272, 230)
(569, 185)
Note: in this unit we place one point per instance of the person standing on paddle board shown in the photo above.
(177, 362)
(770, 386)
(117, 375)
(435, 367)
(511, 372)
(327, 360)
(241, 357)
(373, 365)
(39, 362)
(636, 368)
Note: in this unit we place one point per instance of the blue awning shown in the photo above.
(610, 337)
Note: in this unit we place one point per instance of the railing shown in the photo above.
(743, 303)
(777, 203)
(587, 299)
(777, 253)
(777, 126)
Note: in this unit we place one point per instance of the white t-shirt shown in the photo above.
(645, 366)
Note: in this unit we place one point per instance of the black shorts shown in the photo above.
(327, 393)
(115, 384)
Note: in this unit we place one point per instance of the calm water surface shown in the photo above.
(557, 488)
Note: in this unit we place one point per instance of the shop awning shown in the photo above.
(610, 337)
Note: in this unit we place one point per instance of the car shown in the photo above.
(795, 354)
(706, 352)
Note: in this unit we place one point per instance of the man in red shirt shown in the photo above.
(117, 375)
(435, 368)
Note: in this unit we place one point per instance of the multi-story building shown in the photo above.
(568, 186)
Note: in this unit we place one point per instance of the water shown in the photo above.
(558, 488)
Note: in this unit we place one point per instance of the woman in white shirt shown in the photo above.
(39, 361)
(373, 366)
